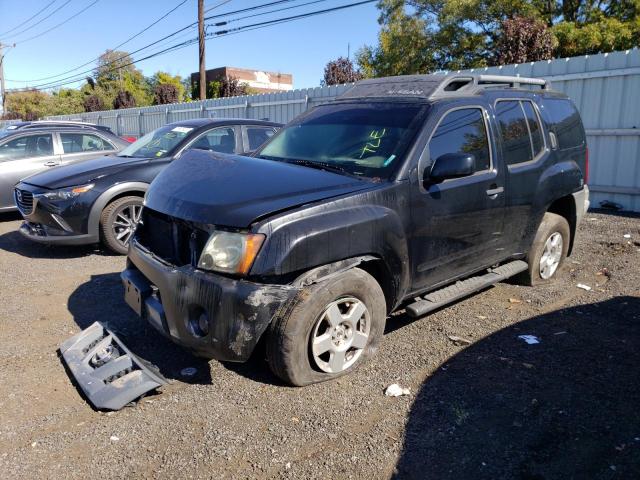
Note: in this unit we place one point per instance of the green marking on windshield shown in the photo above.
(372, 145)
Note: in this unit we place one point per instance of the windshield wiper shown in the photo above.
(323, 166)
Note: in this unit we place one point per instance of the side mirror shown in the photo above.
(452, 165)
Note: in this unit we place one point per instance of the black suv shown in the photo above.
(411, 191)
(101, 199)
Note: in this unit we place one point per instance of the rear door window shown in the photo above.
(27, 146)
(462, 131)
(256, 136)
(514, 132)
(221, 140)
(566, 122)
(83, 142)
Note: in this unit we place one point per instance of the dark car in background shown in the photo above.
(29, 150)
(101, 199)
(27, 125)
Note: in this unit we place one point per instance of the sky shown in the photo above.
(301, 47)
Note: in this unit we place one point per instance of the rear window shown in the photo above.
(566, 122)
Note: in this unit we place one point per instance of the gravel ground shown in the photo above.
(497, 408)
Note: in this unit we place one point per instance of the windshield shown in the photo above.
(367, 140)
(158, 143)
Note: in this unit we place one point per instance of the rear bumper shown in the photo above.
(581, 199)
(173, 299)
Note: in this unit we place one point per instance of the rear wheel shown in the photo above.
(548, 251)
(118, 221)
(332, 327)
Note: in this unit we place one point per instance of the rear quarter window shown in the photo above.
(565, 122)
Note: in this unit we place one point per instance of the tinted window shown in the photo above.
(257, 136)
(566, 122)
(516, 144)
(83, 142)
(462, 131)
(221, 140)
(24, 147)
(534, 127)
(360, 139)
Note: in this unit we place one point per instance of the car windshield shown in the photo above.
(159, 143)
(365, 140)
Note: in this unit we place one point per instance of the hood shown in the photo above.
(233, 191)
(81, 172)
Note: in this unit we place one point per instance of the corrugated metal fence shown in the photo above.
(605, 88)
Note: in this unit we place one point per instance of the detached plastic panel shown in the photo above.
(107, 372)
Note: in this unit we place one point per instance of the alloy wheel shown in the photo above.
(125, 220)
(551, 255)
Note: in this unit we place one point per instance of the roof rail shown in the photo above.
(465, 82)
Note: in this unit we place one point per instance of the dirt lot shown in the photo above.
(568, 407)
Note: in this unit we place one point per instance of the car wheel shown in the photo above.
(329, 330)
(548, 251)
(118, 221)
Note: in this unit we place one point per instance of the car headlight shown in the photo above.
(67, 193)
(230, 252)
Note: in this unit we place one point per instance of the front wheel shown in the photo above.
(118, 221)
(332, 327)
(548, 251)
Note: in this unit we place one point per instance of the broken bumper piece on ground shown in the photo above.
(106, 371)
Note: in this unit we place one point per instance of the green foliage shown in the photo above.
(66, 101)
(28, 104)
(428, 35)
(164, 78)
(226, 87)
(115, 72)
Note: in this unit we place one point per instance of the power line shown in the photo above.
(220, 33)
(29, 19)
(114, 48)
(42, 19)
(226, 22)
(294, 17)
(46, 84)
(59, 24)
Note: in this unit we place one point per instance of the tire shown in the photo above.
(555, 226)
(113, 223)
(289, 343)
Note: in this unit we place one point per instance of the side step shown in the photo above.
(458, 290)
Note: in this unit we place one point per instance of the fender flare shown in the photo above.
(324, 272)
(93, 224)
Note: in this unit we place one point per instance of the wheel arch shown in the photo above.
(566, 208)
(108, 196)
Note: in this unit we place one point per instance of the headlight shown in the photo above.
(67, 193)
(230, 252)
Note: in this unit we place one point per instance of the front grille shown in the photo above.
(24, 201)
(174, 240)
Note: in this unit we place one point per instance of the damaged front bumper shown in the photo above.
(106, 371)
(212, 315)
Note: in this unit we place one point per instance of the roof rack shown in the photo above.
(461, 82)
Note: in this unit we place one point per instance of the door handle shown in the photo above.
(51, 163)
(492, 192)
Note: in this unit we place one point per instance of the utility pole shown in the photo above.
(203, 72)
(2, 76)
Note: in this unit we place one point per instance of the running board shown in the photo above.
(458, 290)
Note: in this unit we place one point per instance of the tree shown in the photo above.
(164, 78)
(231, 87)
(67, 101)
(524, 39)
(405, 45)
(116, 72)
(340, 71)
(28, 104)
(165, 93)
(93, 103)
(456, 34)
(124, 99)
